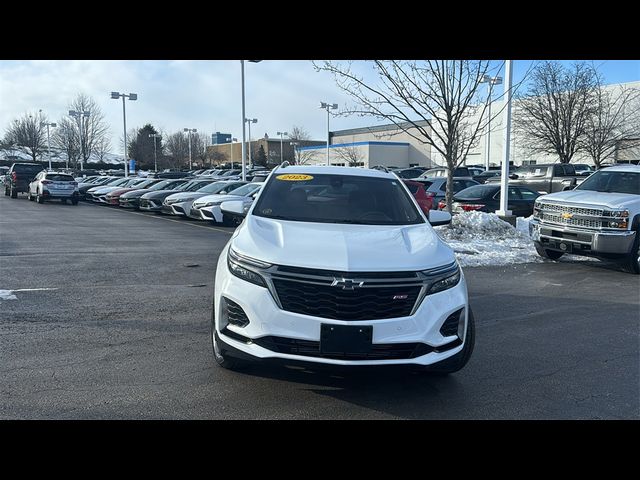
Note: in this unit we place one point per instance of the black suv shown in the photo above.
(19, 177)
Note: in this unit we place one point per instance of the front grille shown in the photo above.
(235, 314)
(326, 301)
(593, 212)
(206, 213)
(179, 209)
(577, 222)
(311, 348)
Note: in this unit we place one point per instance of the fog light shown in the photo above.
(461, 324)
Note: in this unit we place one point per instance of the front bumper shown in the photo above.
(178, 208)
(582, 240)
(266, 319)
(129, 202)
(213, 213)
(150, 205)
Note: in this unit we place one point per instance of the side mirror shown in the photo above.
(513, 176)
(438, 218)
(234, 208)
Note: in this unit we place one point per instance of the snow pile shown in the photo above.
(480, 238)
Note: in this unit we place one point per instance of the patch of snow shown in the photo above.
(482, 239)
(7, 295)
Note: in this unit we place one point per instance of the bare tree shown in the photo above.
(437, 102)
(103, 147)
(65, 138)
(553, 115)
(199, 151)
(614, 123)
(177, 146)
(351, 155)
(300, 136)
(90, 130)
(28, 134)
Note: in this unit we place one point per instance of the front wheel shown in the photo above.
(40, 199)
(545, 253)
(6, 192)
(219, 354)
(63, 201)
(31, 197)
(13, 192)
(460, 359)
(74, 201)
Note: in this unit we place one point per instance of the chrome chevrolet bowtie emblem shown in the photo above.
(346, 283)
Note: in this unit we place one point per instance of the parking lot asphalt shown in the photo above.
(112, 312)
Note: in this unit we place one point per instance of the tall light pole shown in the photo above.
(190, 130)
(281, 151)
(249, 121)
(232, 140)
(294, 145)
(155, 154)
(79, 114)
(504, 181)
(490, 81)
(131, 96)
(327, 107)
(244, 120)
(47, 124)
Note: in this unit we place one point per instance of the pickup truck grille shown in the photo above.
(577, 222)
(593, 212)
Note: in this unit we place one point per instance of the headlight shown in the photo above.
(211, 204)
(243, 267)
(446, 282)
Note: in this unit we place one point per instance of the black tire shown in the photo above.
(30, 197)
(460, 359)
(39, 199)
(229, 221)
(74, 201)
(219, 354)
(631, 263)
(6, 192)
(13, 193)
(544, 253)
(63, 201)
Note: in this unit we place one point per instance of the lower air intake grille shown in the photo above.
(450, 325)
(235, 314)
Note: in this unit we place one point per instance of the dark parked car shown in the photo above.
(583, 169)
(459, 172)
(19, 176)
(486, 198)
(131, 199)
(113, 198)
(169, 175)
(409, 173)
(484, 176)
(84, 186)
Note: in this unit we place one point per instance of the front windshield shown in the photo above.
(192, 186)
(245, 190)
(214, 187)
(612, 182)
(328, 198)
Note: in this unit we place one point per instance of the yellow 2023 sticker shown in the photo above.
(291, 177)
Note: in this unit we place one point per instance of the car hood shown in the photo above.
(135, 193)
(590, 197)
(218, 198)
(101, 190)
(158, 194)
(346, 248)
(180, 195)
(120, 191)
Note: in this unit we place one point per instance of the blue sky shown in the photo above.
(199, 94)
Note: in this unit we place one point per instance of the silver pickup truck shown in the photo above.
(544, 178)
(600, 218)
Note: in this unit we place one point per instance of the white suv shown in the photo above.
(338, 265)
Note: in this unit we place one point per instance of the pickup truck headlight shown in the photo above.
(246, 268)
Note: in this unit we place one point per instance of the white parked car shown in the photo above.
(54, 186)
(339, 266)
(208, 208)
(180, 203)
(600, 218)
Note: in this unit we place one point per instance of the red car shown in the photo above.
(113, 198)
(424, 198)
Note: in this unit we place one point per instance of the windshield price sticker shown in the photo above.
(290, 177)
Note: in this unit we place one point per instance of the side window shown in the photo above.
(558, 171)
(443, 187)
(528, 194)
(569, 170)
(458, 185)
(514, 194)
(412, 188)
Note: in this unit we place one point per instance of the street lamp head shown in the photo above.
(323, 105)
(334, 106)
(133, 96)
(496, 81)
(115, 95)
(73, 113)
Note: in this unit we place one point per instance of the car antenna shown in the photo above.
(284, 164)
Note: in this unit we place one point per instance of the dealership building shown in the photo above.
(392, 146)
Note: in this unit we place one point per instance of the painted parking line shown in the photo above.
(9, 294)
(171, 220)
